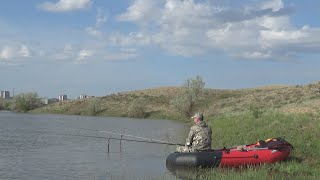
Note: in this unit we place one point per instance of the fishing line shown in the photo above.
(133, 136)
(122, 139)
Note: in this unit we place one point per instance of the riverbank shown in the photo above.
(236, 117)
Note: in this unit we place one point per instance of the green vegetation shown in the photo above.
(94, 106)
(191, 93)
(1, 104)
(5, 104)
(25, 102)
(256, 111)
(301, 130)
(236, 117)
(137, 108)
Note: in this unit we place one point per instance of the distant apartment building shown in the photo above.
(5, 94)
(62, 97)
(44, 101)
(83, 96)
(48, 101)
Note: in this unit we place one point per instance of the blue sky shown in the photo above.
(100, 47)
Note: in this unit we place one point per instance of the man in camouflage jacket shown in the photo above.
(199, 138)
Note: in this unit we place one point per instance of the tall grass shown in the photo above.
(280, 171)
(301, 130)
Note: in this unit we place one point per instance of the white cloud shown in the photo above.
(92, 31)
(67, 47)
(256, 55)
(132, 39)
(73, 54)
(141, 11)
(122, 55)
(275, 5)
(101, 18)
(67, 53)
(7, 53)
(257, 30)
(65, 5)
(14, 52)
(95, 31)
(84, 54)
(24, 51)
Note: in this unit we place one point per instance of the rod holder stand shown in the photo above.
(109, 144)
(120, 142)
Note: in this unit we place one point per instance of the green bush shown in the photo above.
(1, 104)
(94, 106)
(25, 102)
(4, 104)
(186, 101)
(256, 111)
(137, 108)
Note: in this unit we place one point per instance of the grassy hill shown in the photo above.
(237, 117)
(287, 99)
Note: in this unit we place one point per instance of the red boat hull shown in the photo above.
(235, 158)
(248, 155)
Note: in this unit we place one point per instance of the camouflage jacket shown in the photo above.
(199, 137)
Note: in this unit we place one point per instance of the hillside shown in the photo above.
(300, 99)
(282, 111)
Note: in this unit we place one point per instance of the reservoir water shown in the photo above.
(37, 147)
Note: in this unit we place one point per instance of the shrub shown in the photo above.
(7, 105)
(94, 106)
(192, 92)
(1, 104)
(25, 102)
(137, 108)
(256, 111)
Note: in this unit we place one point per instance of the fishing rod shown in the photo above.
(122, 139)
(133, 136)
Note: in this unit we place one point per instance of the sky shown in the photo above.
(99, 47)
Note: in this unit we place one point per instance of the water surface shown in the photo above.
(54, 147)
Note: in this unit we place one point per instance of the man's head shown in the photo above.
(197, 117)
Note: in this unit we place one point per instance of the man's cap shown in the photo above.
(197, 115)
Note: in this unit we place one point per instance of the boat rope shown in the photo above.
(133, 136)
(254, 156)
(255, 148)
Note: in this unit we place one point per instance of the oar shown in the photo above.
(122, 139)
(133, 136)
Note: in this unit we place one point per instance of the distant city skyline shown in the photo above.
(75, 47)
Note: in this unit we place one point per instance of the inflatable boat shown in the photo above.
(267, 151)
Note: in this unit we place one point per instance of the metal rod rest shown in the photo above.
(109, 144)
(120, 143)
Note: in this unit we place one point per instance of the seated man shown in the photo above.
(199, 138)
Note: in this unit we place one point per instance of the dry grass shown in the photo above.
(297, 99)
(161, 91)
